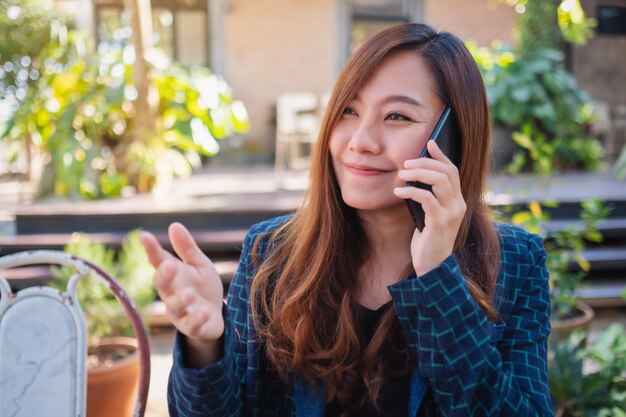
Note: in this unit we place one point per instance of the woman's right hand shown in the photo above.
(190, 287)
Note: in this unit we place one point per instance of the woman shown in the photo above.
(346, 308)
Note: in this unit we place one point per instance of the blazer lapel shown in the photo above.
(309, 402)
(419, 385)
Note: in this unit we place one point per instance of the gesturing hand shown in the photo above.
(190, 287)
(444, 207)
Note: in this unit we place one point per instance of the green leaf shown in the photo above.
(240, 119)
(593, 236)
(521, 94)
(583, 263)
(203, 138)
(535, 209)
(521, 217)
(523, 140)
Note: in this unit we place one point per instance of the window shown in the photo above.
(360, 19)
(179, 28)
(371, 16)
(611, 20)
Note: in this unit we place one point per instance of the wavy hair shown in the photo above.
(303, 306)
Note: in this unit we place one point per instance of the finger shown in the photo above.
(193, 321)
(155, 252)
(424, 197)
(446, 167)
(426, 163)
(440, 183)
(432, 208)
(185, 246)
(435, 151)
(429, 163)
(451, 169)
(426, 176)
(164, 278)
(177, 304)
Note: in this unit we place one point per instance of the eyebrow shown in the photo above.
(402, 99)
(398, 98)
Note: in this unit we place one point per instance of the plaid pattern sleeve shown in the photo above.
(221, 389)
(475, 367)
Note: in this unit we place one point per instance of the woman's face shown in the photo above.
(388, 122)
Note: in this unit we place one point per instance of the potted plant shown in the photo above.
(589, 381)
(113, 361)
(564, 247)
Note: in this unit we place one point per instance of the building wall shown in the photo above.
(600, 68)
(276, 46)
(600, 65)
(480, 20)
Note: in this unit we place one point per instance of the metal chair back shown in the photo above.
(43, 341)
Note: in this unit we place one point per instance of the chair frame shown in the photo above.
(83, 268)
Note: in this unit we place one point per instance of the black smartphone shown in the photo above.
(448, 137)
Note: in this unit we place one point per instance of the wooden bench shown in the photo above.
(209, 240)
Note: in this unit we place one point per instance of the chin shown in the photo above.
(370, 201)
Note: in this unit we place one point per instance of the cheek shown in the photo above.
(409, 148)
(338, 142)
(332, 146)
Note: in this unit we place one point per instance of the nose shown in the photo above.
(365, 138)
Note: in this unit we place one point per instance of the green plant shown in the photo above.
(551, 24)
(104, 315)
(600, 392)
(33, 38)
(541, 101)
(565, 247)
(537, 26)
(530, 90)
(575, 27)
(620, 165)
(80, 111)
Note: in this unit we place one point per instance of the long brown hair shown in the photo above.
(302, 295)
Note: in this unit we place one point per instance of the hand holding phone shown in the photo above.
(448, 137)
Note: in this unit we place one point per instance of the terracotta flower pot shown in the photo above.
(112, 386)
(580, 320)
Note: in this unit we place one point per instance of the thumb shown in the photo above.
(156, 254)
(185, 246)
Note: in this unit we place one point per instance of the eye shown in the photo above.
(398, 117)
(349, 111)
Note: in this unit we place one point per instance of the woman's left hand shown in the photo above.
(444, 207)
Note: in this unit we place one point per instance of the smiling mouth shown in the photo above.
(365, 170)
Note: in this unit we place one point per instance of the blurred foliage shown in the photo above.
(530, 90)
(565, 247)
(620, 164)
(551, 24)
(575, 27)
(104, 315)
(600, 392)
(79, 110)
(541, 101)
(27, 29)
(537, 27)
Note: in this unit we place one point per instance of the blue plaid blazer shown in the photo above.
(466, 365)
